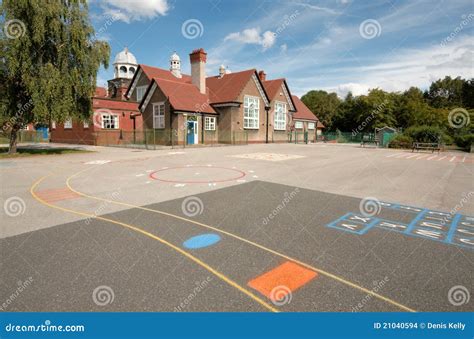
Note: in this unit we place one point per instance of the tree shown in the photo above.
(446, 93)
(323, 104)
(49, 64)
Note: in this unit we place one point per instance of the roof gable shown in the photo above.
(154, 72)
(182, 96)
(302, 111)
(228, 88)
(273, 88)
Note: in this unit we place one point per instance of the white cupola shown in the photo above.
(175, 65)
(125, 64)
(222, 71)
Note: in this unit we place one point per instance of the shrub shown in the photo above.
(464, 141)
(401, 141)
(427, 134)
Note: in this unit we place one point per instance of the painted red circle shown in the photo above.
(154, 177)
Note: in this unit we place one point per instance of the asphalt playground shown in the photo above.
(256, 228)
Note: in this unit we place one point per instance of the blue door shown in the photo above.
(191, 132)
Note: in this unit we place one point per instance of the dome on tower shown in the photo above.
(125, 57)
(125, 65)
(175, 57)
(175, 65)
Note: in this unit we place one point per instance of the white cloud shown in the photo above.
(283, 48)
(135, 10)
(406, 68)
(253, 36)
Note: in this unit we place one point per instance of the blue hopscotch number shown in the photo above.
(438, 226)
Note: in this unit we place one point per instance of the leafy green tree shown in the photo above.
(323, 104)
(374, 110)
(446, 93)
(50, 59)
(468, 93)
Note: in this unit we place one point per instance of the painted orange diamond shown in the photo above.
(288, 275)
(54, 195)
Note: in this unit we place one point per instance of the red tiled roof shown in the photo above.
(184, 96)
(228, 88)
(100, 92)
(272, 87)
(155, 72)
(302, 111)
(102, 103)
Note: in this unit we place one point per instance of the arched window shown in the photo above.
(123, 70)
(131, 70)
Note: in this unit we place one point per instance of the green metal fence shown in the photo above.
(347, 137)
(161, 138)
(25, 137)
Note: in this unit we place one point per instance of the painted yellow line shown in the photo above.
(150, 235)
(327, 274)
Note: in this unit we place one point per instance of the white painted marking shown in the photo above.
(402, 155)
(179, 185)
(251, 171)
(464, 159)
(209, 165)
(97, 162)
(432, 157)
(412, 156)
(241, 180)
(393, 155)
(441, 158)
(197, 173)
(452, 159)
(422, 156)
(149, 171)
(255, 176)
(140, 175)
(172, 153)
(148, 182)
(212, 184)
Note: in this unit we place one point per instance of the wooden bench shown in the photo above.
(433, 146)
(366, 140)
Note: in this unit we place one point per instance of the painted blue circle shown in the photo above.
(203, 240)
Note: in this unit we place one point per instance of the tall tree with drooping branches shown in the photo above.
(49, 63)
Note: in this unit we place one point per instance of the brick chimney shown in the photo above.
(262, 75)
(198, 69)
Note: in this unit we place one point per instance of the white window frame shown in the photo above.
(108, 120)
(86, 124)
(68, 123)
(210, 123)
(279, 116)
(53, 124)
(141, 90)
(311, 125)
(251, 112)
(158, 115)
(299, 124)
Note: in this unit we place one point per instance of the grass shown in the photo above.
(26, 152)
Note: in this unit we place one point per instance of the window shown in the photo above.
(141, 92)
(299, 124)
(86, 124)
(210, 123)
(311, 125)
(159, 115)
(68, 123)
(251, 112)
(110, 121)
(280, 116)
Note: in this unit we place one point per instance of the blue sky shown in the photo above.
(337, 45)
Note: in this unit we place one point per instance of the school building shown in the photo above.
(165, 106)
